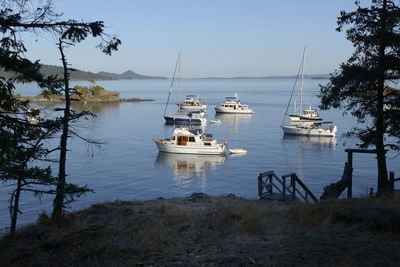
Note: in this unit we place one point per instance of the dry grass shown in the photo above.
(202, 230)
(368, 214)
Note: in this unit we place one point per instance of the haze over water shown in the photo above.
(129, 166)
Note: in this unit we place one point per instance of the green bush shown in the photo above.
(92, 89)
(96, 89)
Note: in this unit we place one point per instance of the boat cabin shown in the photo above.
(233, 99)
(183, 136)
(310, 113)
(192, 100)
(182, 140)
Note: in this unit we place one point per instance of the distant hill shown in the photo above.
(48, 70)
(75, 75)
(128, 75)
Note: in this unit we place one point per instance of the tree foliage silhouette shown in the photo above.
(38, 17)
(360, 87)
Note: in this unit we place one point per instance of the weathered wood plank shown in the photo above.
(356, 150)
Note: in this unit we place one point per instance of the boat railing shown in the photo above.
(294, 190)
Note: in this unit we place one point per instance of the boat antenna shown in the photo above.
(291, 95)
(172, 82)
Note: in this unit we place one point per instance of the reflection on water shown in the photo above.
(189, 169)
(315, 142)
(96, 108)
(305, 145)
(234, 119)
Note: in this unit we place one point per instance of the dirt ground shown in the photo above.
(201, 230)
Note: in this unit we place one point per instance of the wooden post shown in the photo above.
(350, 165)
(270, 184)
(283, 188)
(260, 186)
(391, 181)
(293, 184)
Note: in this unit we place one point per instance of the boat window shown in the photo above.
(182, 140)
(207, 143)
(191, 139)
(173, 137)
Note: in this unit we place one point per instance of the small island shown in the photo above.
(85, 94)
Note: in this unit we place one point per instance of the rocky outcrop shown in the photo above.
(102, 97)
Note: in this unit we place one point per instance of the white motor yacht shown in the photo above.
(232, 105)
(190, 141)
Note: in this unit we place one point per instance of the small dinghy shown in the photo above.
(237, 151)
(215, 121)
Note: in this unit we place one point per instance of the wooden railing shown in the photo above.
(392, 180)
(268, 181)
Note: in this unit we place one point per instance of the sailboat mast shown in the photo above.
(172, 84)
(179, 82)
(301, 86)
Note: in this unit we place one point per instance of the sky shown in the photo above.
(217, 38)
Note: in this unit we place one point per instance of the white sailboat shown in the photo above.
(299, 113)
(324, 129)
(194, 117)
(307, 123)
(191, 102)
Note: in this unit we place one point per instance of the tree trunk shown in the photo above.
(58, 202)
(383, 182)
(15, 208)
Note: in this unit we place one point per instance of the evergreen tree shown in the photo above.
(360, 87)
(38, 17)
(22, 144)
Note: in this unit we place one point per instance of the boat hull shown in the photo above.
(171, 119)
(238, 151)
(233, 111)
(198, 150)
(192, 108)
(309, 131)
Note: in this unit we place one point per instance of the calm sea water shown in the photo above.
(129, 166)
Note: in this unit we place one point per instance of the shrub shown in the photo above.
(92, 89)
